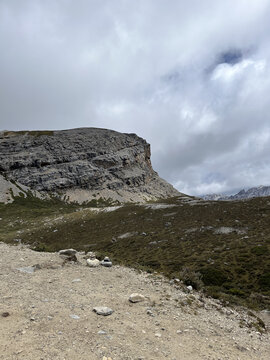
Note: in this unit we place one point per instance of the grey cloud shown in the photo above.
(190, 77)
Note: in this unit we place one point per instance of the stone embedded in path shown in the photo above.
(102, 310)
(75, 317)
(92, 263)
(27, 269)
(106, 262)
(135, 297)
(68, 252)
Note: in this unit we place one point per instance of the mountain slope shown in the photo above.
(223, 247)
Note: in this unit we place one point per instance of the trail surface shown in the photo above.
(48, 315)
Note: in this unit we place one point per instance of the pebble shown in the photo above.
(76, 317)
(102, 310)
(135, 297)
(102, 332)
(76, 280)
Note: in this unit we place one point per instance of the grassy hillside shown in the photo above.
(223, 247)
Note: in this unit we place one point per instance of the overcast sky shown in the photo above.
(192, 77)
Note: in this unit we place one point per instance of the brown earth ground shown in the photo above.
(36, 312)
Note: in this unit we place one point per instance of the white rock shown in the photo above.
(28, 269)
(190, 288)
(135, 297)
(90, 255)
(103, 310)
(92, 263)
(76, 317)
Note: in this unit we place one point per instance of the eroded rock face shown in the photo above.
(82, 164)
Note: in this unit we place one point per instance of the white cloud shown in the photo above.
(149, 67)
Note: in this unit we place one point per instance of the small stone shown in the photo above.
(76, 280)
(106, 262)
(102, 332)
(103, 310)
(135, 297)
(75, 317)
(179, 332)
(5, 314)
(157, 335)
(92, 263)
(67, 252)
(190, 288)
(150, 312)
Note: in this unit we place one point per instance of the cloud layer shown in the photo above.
(192, 77)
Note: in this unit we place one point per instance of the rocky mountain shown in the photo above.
(79, 165)
(243, 194)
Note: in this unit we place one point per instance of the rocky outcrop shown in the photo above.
(82, 164)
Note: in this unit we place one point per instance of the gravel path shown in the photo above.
(48, 314)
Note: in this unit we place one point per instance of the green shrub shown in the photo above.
(213, 276)
(264, 281)
(190, 277)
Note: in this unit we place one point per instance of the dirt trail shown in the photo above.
(50, 315)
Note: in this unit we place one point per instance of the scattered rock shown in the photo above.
(103, 310)
(76, 280)
(27, 269)
(189, 288)
(75, 317)
(102, 332)
(68, 252)
(106, 262)
(90, 255)
(150, 312)
(92, 263)
(135, 297)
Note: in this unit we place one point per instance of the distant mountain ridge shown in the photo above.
(242, 194)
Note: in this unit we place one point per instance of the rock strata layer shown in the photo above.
(82, 164)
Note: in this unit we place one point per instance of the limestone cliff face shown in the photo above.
(82, 164)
